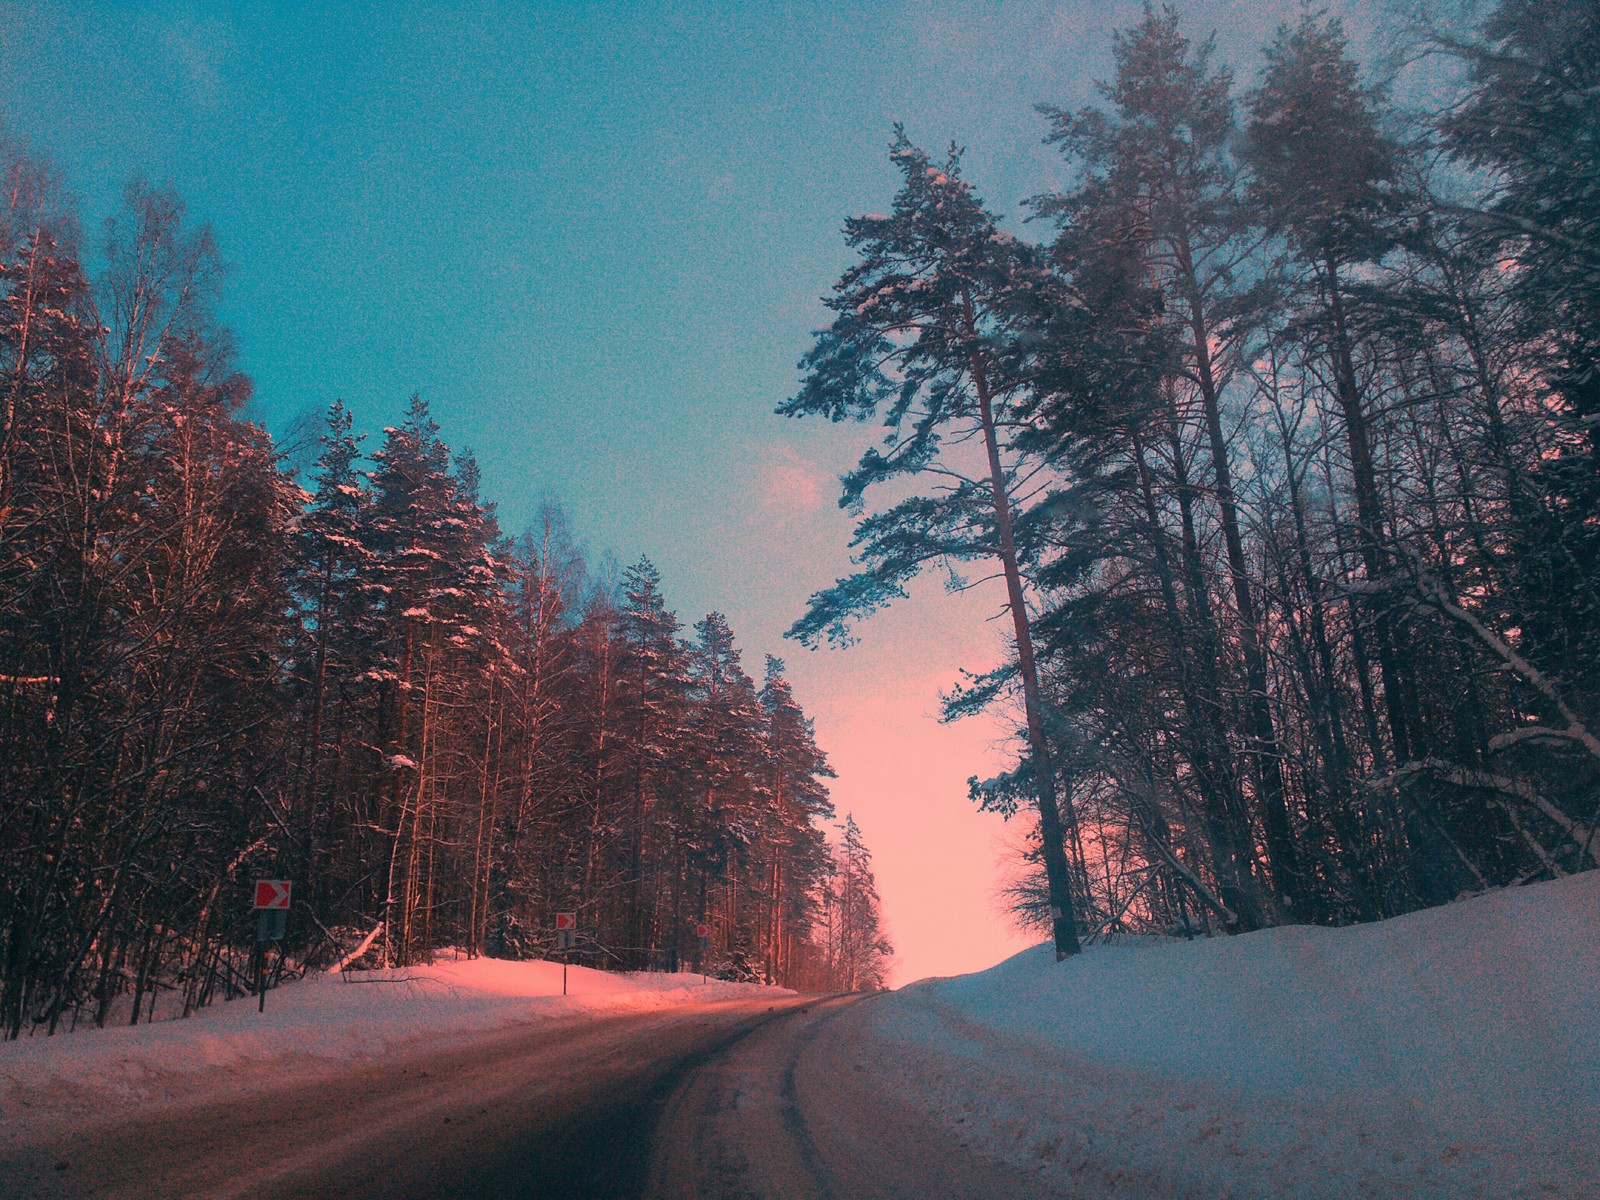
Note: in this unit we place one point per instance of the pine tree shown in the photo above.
(652, 678)
(1324, 173)
(861, 951)
(722, 831)
(432, 542)
(925, 332)
(794, 770)
(336, 594)
(1160, 162)
(1529, 120)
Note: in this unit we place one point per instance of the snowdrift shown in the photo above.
(319, 1022)
(1449, 1053)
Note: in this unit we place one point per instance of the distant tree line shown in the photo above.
(1286, 445)
(441, 735)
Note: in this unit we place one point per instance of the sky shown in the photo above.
(595, 238)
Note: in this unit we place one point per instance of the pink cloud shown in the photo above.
(790, 483)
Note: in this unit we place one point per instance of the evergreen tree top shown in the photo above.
(1322, 168)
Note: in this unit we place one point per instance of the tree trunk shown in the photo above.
(1263, 735)
(1063, 923)
(1369, 514)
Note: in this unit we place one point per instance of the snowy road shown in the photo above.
(794, 1111)
(750, 1098)
(1450, 1054)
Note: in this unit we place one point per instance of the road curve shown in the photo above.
(740, 1099)
(794, 1110)
(537, 1111)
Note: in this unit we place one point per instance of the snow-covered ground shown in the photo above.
(321, 1022)
(1448, 1054)
(1451, 1053)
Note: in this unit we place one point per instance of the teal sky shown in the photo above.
(594, 237)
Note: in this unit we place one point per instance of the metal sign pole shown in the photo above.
(566, 937)
(261, 964)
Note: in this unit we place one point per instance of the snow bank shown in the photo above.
(323, 1020)
(1449, 1053)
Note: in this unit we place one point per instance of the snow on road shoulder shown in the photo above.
(1448, 1053)
(316, 1023)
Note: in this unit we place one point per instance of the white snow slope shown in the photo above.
(315, 1024)
(1451, 1053)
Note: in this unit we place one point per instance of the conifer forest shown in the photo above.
(1278, 424)
(1282, 428)
(356, 681)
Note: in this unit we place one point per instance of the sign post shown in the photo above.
(272, 921)
(702, 934)
(566, 938)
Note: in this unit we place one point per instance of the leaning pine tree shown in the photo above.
(924, 337)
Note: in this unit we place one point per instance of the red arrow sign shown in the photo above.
(566, 921)
(702, 931)
(272, 893)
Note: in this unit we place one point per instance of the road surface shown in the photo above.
(737, 1100)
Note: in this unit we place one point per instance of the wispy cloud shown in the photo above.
(790, 483)
(198, 52)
